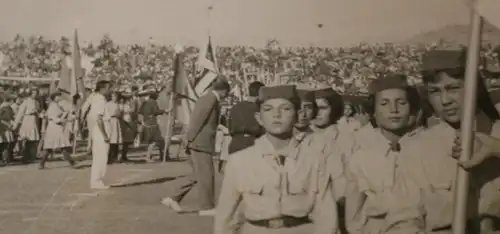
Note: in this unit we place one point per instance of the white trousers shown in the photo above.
(90, 127)
(99, 157)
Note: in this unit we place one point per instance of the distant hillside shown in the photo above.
(458, 34)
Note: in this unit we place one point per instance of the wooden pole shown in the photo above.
(170, 123)
(467, 123)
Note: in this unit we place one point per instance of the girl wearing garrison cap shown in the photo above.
(443, 75)
(380, 194)
(331, 141)
(307, 111)
(275, 186)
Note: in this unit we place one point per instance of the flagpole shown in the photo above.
(171, 103)
(468, 116)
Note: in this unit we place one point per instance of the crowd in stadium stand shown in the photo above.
(347, 69)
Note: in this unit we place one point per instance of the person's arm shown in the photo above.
(202, 110)
(490, 148)
(100, 121)
(325, 214)
(227, 215)
(355, 199)
(20, 115)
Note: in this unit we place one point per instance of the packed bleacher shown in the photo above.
(346, 69)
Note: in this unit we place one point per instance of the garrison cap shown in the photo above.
(391, 81)
(436, 60)
(288, 92)
(325, 93)
(306, 95)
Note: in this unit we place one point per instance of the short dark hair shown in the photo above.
(483, 102)
(101, 84)
(221, 84)
(254, 87)
(414, 99)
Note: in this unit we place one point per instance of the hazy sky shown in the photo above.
(248, 22)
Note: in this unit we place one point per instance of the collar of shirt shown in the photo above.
(267, 149)
(450, 132)
(216, 95)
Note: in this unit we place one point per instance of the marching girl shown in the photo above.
(443, 75)
(27, 124)
(113, 122)
(381, 197)
(348, 122)
(275, 186)
(7, 139)
(307, 111)
(56, 135)
(332, 143)
(129, 126)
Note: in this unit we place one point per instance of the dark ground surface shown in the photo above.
(58, 200)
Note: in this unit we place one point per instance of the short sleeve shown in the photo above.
(100, 106)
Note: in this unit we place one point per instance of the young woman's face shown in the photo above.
(392, 109)
(324, 112)
(446, 97)
(277, 116)
(305, 114)
(348, 111)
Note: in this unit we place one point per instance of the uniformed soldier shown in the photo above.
(443, 73)
(307, 111)
(381, 196)
(278, 185)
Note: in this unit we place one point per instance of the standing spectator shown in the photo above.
(27, 121)
(200, 148)
(57, 138)
(100, 139)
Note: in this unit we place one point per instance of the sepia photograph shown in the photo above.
(250, 116)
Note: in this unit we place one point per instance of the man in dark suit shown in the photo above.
(243, 127)
(200, 147)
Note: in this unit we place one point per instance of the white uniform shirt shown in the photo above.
(97, 107)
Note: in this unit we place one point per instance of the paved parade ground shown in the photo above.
(59, 200)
